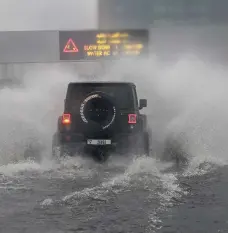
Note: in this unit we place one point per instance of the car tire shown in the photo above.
(57, 150)
(111, 117)
(146, 143)
(142, 144)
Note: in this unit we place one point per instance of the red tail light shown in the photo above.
(66, 119)
(132, 118)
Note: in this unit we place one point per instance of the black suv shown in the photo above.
(100, 118)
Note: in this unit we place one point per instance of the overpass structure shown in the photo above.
(193, 26)
(20, 48)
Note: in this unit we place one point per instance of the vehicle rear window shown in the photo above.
(122, 94)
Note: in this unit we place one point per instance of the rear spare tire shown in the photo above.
(98, 108)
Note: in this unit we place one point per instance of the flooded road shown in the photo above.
(132, 194)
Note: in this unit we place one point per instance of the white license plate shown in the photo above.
(98, 142)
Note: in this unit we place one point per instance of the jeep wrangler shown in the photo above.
(100, 118)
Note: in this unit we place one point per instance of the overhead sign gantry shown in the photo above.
(102, 45)
(59, 46)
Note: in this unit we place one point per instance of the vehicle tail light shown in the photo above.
(132, 118)
(66, 119)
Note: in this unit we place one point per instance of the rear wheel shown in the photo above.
(57, 150)
(61, 151)
(141, 146)
(146, 143)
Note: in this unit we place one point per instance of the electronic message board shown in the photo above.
(102, 44)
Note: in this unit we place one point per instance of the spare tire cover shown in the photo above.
(98, 108)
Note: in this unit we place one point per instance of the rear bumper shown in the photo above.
(119, 142)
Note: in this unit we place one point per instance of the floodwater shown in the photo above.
(187, 101)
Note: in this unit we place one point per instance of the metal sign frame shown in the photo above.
(97, 45)
(47, 46)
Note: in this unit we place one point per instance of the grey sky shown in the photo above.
(47, 14)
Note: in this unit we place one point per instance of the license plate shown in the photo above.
(98, 142)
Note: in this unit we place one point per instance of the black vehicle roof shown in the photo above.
(74, 87)
(101, 82)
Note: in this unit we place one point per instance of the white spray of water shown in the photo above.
(186, 101)
(29, 115)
